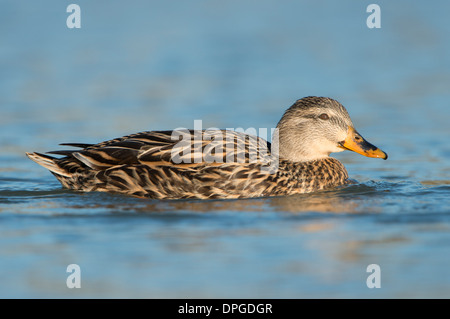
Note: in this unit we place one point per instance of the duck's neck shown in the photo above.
(312, 175)
(294, 150)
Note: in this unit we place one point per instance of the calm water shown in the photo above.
(160, 65)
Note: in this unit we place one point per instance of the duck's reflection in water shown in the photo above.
(320, 202)
(334, 201)
(343, 200)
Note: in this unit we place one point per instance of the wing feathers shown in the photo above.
(164, 148)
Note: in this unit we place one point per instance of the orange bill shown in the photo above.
(356, 143)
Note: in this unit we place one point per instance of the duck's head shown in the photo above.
(314, 127)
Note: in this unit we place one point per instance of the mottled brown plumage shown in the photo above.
(212, 164)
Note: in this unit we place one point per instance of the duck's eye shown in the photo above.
(324, 116)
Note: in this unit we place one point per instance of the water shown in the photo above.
(153, 65)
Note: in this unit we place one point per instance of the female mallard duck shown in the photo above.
(208, 164)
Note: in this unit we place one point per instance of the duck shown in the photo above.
(218, 164)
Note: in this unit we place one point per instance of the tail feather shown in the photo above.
(49, 163)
